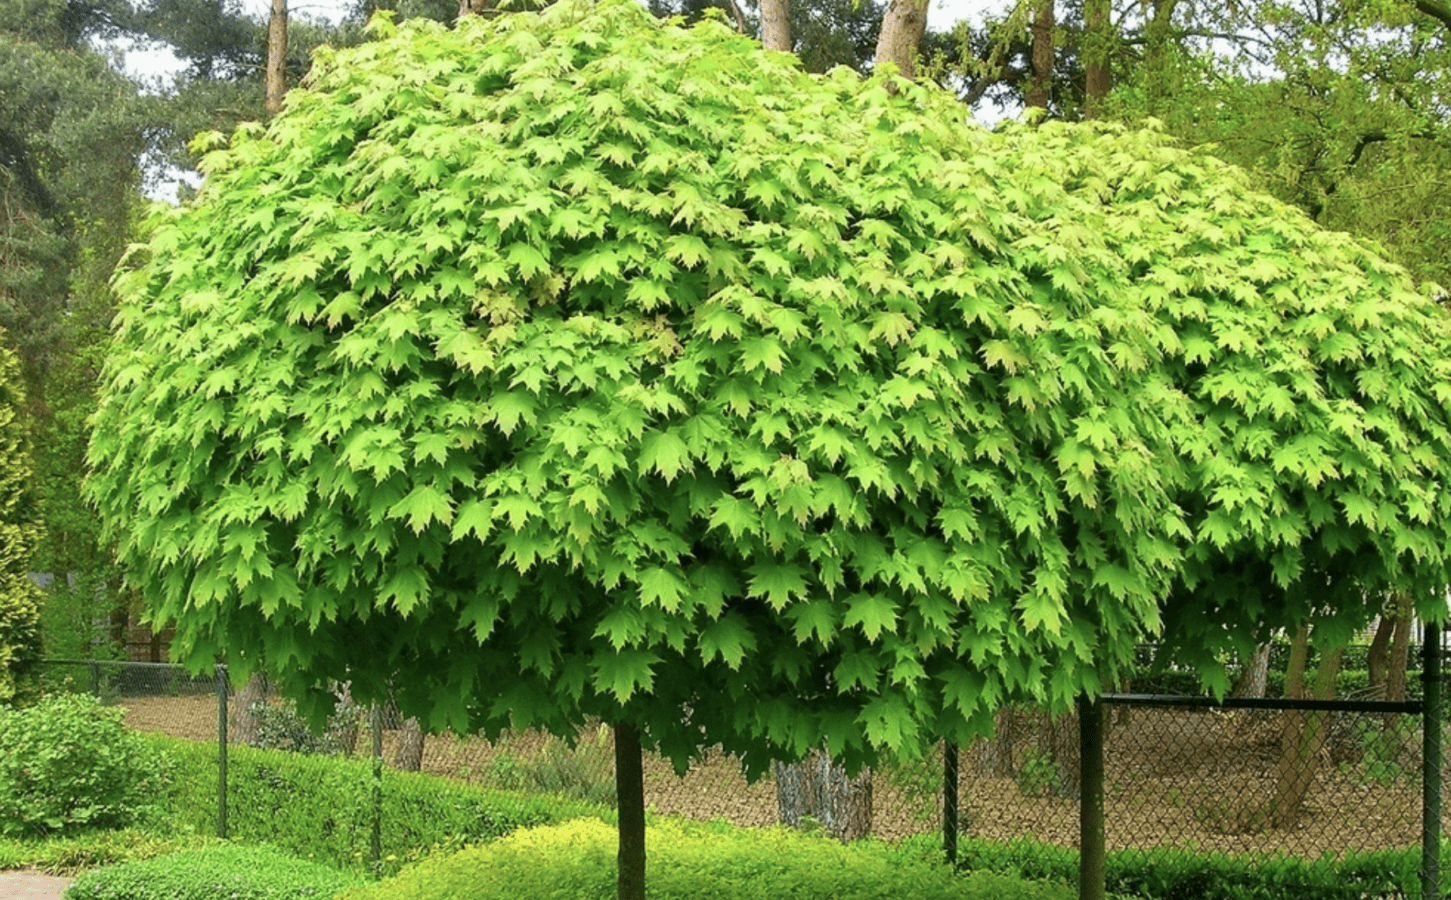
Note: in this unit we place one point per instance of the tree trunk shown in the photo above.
(776, 25)
(246, 720)
(276, 56)
(1400, 650)
(475, 7)
(1040, 84)
(994, 756)
(1301, 740)
(1097, 53)
(819, 789)
(1156, 57)
(904, 25)
(630, 796)
(1254, 678)
(1063, 744)
(410, 747)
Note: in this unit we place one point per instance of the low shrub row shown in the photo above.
(216, 873)
(1181, 874)
(1351, 683)
(322, 807)
(688, 861)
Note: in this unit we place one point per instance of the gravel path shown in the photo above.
(32, 886)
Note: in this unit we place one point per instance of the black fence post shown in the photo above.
(376, 717)
(949, 801)
(1091, 849)
(222, 750)
(1431, 765)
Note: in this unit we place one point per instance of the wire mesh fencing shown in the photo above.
(892, 802)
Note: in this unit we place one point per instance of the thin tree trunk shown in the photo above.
(630, 795)
(904, 25)
(798, 793)
(776, 25)
(276, 56)
(1301, 741)
(1098, 51)
(1254, 678)
(410, 747)
(1040, 84)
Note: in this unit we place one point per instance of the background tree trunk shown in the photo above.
(1254, 678)
(819, 789)
(776, 25)
(994, 756)
(904, 25)
(1040, 83)
(276, 77)
(410, 747)
(244, 725)
(1302, 738)
(1098, 46)
(1063, 744)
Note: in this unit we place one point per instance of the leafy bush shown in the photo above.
(1175, 873)
(577, 860)
(69, 762)
(321, 807)
(585, 772)
(214, 873)
(279, 727)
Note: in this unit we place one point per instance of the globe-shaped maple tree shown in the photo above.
(575, 364)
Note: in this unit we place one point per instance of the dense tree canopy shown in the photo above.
(576, 364)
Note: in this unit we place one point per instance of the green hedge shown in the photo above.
(216, 873)
(321, 807)
(690, 861)
(1183, 874)
(1350, 683)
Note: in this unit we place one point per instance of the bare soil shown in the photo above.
(1171, 778)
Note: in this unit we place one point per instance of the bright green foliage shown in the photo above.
(574, 364)
(19, 531)
(577, 859)
(237, 873)
(69, 763)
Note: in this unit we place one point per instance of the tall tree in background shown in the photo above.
(904, 26)
(276, 56)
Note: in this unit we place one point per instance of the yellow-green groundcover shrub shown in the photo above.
(689, 862)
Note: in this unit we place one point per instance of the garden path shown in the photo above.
(32, 886)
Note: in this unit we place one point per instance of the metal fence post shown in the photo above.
(1091, 850)
(949, 801)
(377, 843)
(1431, 765)
(222, 750)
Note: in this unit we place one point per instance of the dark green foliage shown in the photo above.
(213, 873)
(1175, 873)
(320, 807)
(687, 862)
(69, 763)
(20, 640)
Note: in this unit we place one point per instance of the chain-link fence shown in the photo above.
(1307, 784)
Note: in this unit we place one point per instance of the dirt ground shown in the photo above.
(1171, 778)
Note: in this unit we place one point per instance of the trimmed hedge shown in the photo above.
(688, 861)
(1175, 873)
(321, 807)
(216, 873)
